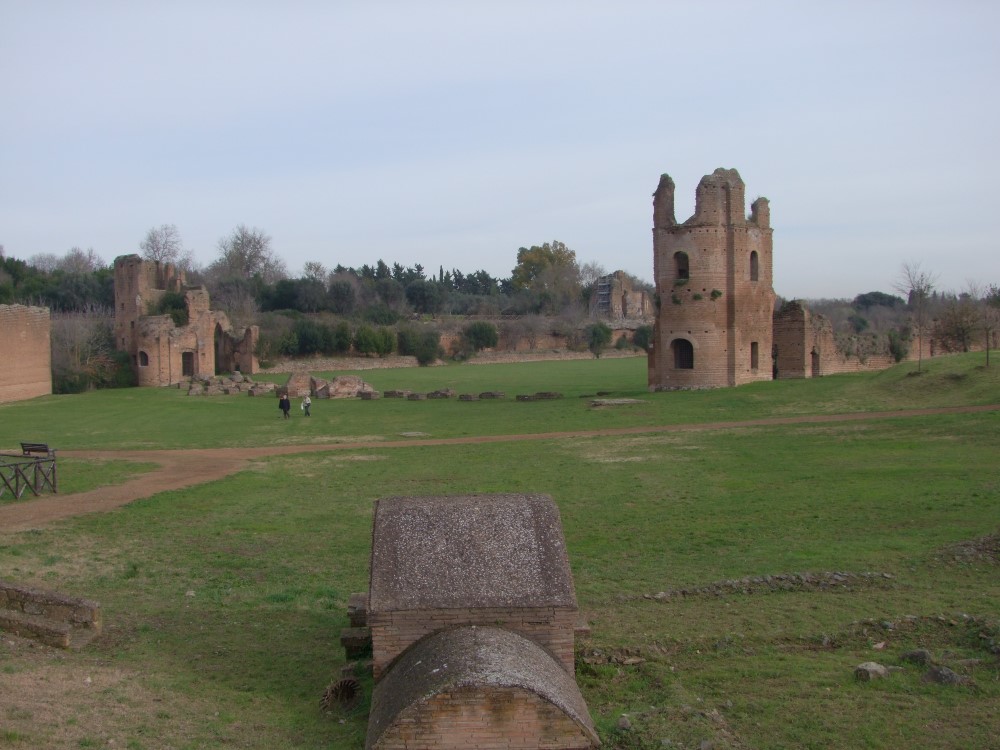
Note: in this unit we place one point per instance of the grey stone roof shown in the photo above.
(472, 657)
(468, 551)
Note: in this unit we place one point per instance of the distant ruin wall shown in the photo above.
(26, 346)
(163, 353)
(805, 347)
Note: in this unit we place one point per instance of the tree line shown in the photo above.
(247, 277)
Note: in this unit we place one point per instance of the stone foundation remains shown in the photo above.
(49, 617)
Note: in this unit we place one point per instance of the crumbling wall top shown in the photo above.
(719, 199)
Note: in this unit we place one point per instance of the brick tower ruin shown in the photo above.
(713, 283)
(162, 352)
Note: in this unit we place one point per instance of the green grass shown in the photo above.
(168, 418)
(224, 602)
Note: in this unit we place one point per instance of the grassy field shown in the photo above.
(223, 603)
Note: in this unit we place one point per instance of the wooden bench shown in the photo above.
(41, 449)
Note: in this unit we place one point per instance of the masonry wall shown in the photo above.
(549, 627)
(156, 346)
(483, 719)
(25, 352)
(805, 347)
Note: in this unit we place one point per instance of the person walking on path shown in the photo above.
(306, 403)
(285, 404)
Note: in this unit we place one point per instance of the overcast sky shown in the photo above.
(452, 133)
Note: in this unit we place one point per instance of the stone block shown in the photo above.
(357, 642)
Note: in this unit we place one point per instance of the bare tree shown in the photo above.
(164, 244)
(590, 272)
(988, 311)
(314, 271)
(47, 262)
(917, 284)
(83, 351)
(247, 253)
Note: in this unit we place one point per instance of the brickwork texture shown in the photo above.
(26, 362)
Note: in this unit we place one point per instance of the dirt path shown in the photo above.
(178, 469)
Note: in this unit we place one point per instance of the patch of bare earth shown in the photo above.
(984, 549)
(50, 700)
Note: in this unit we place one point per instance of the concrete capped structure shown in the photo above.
(441, 562)
(472, 611)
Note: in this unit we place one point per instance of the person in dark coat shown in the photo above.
(285, 404)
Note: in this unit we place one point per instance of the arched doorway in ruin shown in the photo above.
(683, 354)
(222, 363)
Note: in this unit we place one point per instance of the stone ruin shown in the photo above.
(343, 386)
(716, 325)
(614, 299)
(48, 616)
(162, 352)
(472, 617)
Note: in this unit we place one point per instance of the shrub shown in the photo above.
(365, 340)
(381, 315)
(288, 344)
(309, 335)
(385, 341)
(174, 305)
(341, 339)
(643, 337)
(424, 344)
(899, 345)
(598, 337)
(480, 335)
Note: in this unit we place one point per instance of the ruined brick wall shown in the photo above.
(713, 277)
(805, 347)
(549, 627)
(139, 285)
(245, 351)
(163, 353)
(792, 345)
(613, 298)
(484, 718)
(26, 347)
(161, 348)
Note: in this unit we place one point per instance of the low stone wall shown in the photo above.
(47, 616)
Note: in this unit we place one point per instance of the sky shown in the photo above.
(452, 133)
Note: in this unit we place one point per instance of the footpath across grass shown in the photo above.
(223, 603)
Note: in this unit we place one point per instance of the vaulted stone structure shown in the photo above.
(472, 612)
